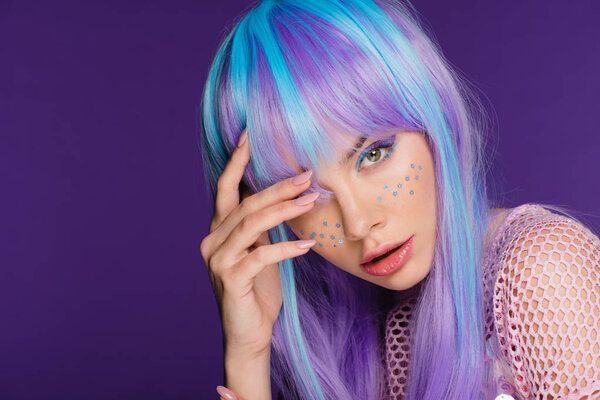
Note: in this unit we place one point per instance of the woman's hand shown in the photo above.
(241, 261)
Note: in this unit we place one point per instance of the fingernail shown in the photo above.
(303, 177)
(226, 393)
(303, 244)
(306, 199)
(242, 138)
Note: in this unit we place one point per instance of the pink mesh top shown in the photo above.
(542, 293)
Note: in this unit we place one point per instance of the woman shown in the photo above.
(365, 260)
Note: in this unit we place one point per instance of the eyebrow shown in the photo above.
(357, 146)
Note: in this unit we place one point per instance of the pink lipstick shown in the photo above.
(390, 261)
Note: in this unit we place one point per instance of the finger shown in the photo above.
(252, 226)
(227, 196)
(225, 392)
(259, 258)
(276, 193)
(264, 237)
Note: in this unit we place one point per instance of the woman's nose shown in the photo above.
(356, 228)
(358, 219)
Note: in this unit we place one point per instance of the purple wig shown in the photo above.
(288, 71)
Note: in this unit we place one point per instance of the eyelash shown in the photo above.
(382, 144)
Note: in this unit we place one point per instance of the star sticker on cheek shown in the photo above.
(331, 236)
(397, 193)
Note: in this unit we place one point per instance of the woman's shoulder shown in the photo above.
(542, 254)
(533, 236)
(511, 227)
(504, 221)
(546, 302)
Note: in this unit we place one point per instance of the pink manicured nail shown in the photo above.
(303, 177)
(306, 199)
(303, 244)
(226, 393)
(242, 138)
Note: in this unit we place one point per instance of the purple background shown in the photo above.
(103, 293)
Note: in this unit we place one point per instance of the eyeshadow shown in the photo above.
(389, 142)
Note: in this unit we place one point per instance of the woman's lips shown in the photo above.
(370, 255)
(390, 262)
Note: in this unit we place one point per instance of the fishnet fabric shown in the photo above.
(542, 292)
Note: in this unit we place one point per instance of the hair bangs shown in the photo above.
(312, 90)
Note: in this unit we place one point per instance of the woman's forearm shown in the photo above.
(249, 377)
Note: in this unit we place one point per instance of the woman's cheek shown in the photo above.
(328, 233)
(399, 186)
(397, 190)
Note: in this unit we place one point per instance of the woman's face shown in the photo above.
(385, 200)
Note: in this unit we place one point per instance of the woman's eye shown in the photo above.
(375, 155)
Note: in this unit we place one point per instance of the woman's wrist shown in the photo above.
(248, 375)
(245, 354)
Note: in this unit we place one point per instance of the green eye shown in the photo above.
(374, 155)
(377, 152)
